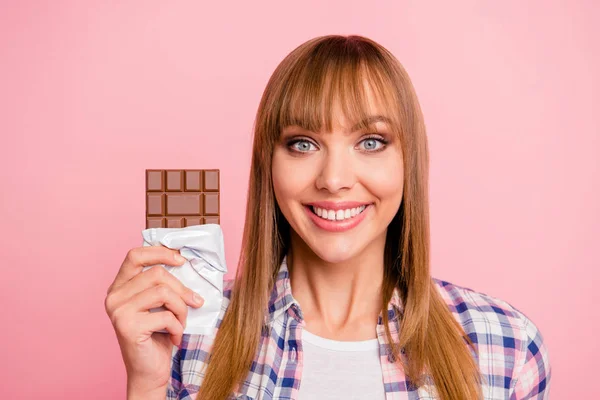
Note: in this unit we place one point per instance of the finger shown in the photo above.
(157, 321)
(155, 276)
(157, 296)
(140, 257)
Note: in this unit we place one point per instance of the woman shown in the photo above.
(333, 296)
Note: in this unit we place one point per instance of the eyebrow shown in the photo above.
(372, 119)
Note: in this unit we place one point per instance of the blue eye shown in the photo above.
(302, 145)
(373, 144)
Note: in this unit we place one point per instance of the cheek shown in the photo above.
(278, 183)
(288, 180)
(385, 183)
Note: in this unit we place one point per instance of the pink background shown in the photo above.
(91, 90)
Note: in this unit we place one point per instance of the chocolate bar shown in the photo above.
(176, 198)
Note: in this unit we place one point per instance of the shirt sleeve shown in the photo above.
(533, 378)
(175, 384)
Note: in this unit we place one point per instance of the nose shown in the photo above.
(337, 171)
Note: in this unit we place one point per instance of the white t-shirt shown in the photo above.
(340, 370)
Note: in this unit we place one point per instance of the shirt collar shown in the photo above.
(281, 300)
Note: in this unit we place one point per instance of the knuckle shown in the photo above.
(159, 272)
(133, 255)
(162, 290)
(108, 304)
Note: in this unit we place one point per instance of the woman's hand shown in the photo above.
(146, 352)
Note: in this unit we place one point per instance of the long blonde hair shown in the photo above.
(302, 91)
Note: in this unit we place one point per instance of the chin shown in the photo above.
(334, 253)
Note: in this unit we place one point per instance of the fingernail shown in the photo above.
(198, 299)
(179, 258)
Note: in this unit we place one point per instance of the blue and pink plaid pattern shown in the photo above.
(512, 356)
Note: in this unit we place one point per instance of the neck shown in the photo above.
(339, 300)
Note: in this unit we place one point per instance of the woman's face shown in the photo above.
(339, 190)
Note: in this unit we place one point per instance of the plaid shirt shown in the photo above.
(512, 356)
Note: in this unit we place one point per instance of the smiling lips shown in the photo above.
(336, 217)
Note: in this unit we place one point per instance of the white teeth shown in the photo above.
(338, 215)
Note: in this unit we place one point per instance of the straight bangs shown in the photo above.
(334, 75)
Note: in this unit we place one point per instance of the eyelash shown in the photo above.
(379, 139)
